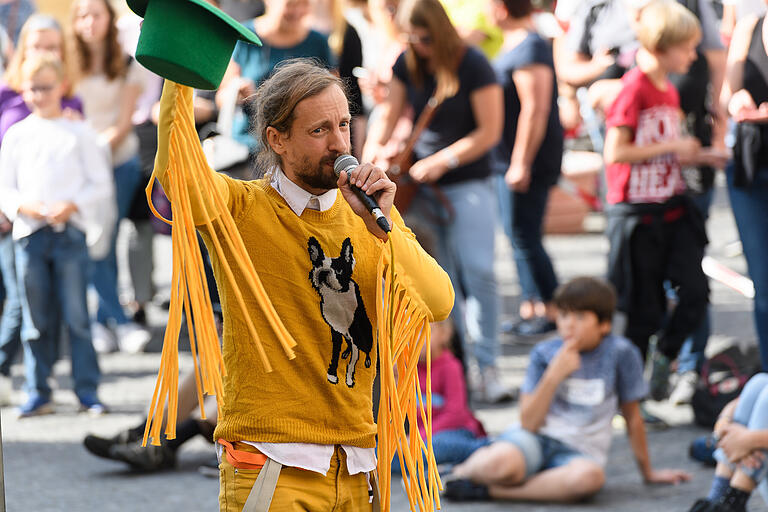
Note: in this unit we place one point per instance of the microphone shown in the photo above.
(347, 163)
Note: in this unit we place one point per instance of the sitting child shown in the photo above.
(742, 433)
(573, 387)
(456, 433)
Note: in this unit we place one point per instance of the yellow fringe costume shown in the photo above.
(278, 386)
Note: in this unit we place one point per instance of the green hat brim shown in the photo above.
(187, 41)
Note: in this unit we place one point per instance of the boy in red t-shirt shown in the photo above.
(655, 234)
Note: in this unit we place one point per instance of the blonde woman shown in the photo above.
(110, 83)
(452, 154)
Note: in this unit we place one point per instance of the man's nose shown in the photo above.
(338, 141)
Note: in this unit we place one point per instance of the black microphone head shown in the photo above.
(344, 163)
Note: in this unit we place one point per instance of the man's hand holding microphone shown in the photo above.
(369, 192)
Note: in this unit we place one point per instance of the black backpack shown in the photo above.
(723, 376)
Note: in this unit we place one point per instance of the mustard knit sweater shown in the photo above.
(319, 271)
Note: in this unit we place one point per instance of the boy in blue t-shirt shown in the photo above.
(574, 386)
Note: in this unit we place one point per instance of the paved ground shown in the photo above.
(47, 470)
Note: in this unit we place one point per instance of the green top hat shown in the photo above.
(187, 41)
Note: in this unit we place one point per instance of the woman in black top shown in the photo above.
(745, 94)
(452, 158)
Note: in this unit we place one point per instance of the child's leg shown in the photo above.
(684, 253)
(648, 302)
(70, 259)
(513, 457)
(34, 278)
(498, 463)
(575, 481)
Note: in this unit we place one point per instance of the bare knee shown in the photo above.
(584, 480)
(498, 463)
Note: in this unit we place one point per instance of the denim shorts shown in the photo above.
(539, 451)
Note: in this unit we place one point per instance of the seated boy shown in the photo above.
(573, 387)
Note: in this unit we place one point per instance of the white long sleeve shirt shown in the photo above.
(53, 160)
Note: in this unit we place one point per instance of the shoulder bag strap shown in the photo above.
(421, 123)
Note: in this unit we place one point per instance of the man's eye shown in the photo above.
(344, 124)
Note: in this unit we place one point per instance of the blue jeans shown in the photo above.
(523, 216)
(465, 250)
(103, 275)
(450, 447)
(10, 321)
(53, 264)
(752, 412)
(750, 209)
(692, 353)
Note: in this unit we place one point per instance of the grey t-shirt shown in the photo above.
(585, 402)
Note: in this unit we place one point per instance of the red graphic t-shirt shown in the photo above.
(653, 116)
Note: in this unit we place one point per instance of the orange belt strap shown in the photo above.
(243, 459)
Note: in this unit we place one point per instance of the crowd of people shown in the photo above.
(470, 107)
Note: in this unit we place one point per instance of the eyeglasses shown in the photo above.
(43, 89)
(417, 39)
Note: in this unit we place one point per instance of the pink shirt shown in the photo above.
(450, 410)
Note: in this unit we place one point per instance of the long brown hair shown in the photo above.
(35, 23)
(447, 46)
(114, 56)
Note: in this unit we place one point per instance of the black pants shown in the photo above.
(666, 251)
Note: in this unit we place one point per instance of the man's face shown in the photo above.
(319, 134)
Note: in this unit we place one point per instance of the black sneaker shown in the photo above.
(702, 505)
(100, 446)
(462, 489)
(144, 458)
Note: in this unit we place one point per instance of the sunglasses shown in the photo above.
(417, 39)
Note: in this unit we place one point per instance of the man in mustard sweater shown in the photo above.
(307, 427)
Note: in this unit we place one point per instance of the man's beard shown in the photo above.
(317, 175)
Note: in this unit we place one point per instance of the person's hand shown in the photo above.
(428, 170)
(245, 89)
(754, 460)
(374, 182)
(687, 148)
(740, 103)
(518, 177)
(60, 212)
(602, 60)
(667, 476)
(715, 156)
(566, 361)
(72, 114)
(720, 424)
(34, 210)
(736, 441)
(755, 115)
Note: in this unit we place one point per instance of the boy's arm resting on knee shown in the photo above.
(639, 443)
(176, 127)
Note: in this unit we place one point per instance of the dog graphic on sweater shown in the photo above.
(342, 307)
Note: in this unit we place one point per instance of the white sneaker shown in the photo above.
(494, 391)
(6, 390)
(103, 338)
(132, 337)
(684, 389)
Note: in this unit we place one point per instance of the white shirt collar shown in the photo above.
(299, 199)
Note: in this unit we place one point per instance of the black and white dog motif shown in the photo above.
(342, 307)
